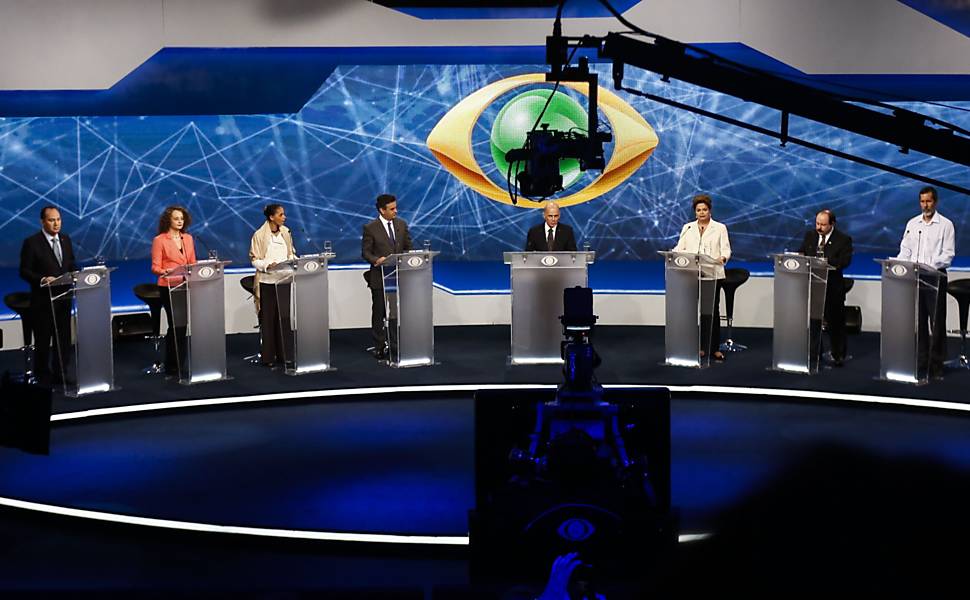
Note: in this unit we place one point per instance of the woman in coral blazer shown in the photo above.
(173, 247)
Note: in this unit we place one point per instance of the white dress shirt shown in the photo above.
(930, 243)
(714, 242)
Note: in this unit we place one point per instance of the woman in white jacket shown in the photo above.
(272, 244)
(707, 236)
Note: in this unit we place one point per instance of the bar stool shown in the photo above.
(19, 302)
(248, 283)
(960, 290)
(151, 295)
(853, 314)
(733, 279)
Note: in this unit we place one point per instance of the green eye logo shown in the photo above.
(450, 141)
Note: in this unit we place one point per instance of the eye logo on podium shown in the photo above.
(206, 272)
(549, 261)
(898, 270)
(791, 264)
(451, 138)
(681, 261)
(92, 279)
(415, 261)
(576, 529)
(311, 266)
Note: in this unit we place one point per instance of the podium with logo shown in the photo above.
(408, 289)
(909, 295)
(92, 355)
(202, 311)
(799, 307)
(309, 312)
(690, 282)
(538, 281)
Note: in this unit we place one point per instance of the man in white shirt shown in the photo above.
(930, 239)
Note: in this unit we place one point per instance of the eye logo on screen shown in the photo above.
(451, 139)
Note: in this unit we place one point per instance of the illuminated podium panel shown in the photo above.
(538, 280)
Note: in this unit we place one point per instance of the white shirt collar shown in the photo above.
(383, 221)
(51, 237)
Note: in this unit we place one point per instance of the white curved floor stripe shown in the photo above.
(403, 539)
(258, 531)
(299, 534)
(710, 389)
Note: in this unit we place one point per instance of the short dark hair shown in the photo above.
(931, 191)
(165, 221)
(270, 209)
(43, 211)
(701, 199)
(827, 211)
(384, 199)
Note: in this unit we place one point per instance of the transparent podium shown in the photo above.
(909, 291)
(91, 357)
(198, 298)
(799, 291)
(309, 315)
(690, 284)
(409, 315)
(538, 280)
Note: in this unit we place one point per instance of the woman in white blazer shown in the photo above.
(707, 236)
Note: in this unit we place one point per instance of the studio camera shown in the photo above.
(544, 148)
(576, 469)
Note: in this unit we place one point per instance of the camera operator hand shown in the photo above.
(562, 570)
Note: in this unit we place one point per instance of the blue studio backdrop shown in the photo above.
(364, 132)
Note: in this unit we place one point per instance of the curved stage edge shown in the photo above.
(770, 395)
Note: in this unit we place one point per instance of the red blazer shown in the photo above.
(166, 256)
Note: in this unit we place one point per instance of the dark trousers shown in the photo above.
(175, 303)
(51, 324)
(711, 326)
(931, 350)
(835, 320)
(384, 337)
(274, 323)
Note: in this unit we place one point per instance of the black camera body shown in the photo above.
(577, 469)
(544, 148)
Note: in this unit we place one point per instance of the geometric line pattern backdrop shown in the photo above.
(363, 133)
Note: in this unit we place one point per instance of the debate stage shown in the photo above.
(358, 481)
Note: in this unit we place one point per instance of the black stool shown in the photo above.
(853, 314)
(152, 296)
(960, 290)
(248, 283)
(19, 302)
(733, 279)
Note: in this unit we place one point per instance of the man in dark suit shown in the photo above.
(382, 237)
(43, 257)
(550, 236)
(836, 247)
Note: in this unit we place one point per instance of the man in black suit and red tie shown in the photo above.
(45, 256)
(836, 247)
(382, 237)
(551, 235)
